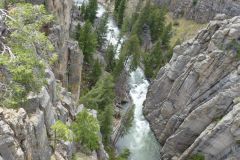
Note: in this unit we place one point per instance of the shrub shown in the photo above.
(197, 156)
(61, 132)
(235, 46)
(28, 52)
(194, 2)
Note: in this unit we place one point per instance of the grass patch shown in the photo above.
(235, 46)
(197, 156)
(183, 29)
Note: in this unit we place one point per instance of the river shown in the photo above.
(140, 139)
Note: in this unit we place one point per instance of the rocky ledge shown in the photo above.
(193, 105)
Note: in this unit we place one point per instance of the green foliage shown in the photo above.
(90, 75)
(106, 121)
(235, 46)
(238, 141)
(194, 2)
(87, 41)
(95, 73)
(120, 63)
(101, 95)
(91, 11)
(124, 155)
(119, 10)
(154, 17)
(5, 3)
(101, 98)
(83, 9)
(116, 5)
(167, 35)
(29, 52)
(197, 156)
(127, 120)
(132, 49)
(86, 130)
(157, 22)
(110, 58)
(2, 4)
(61, 132)
(102, 30)
(153, 61)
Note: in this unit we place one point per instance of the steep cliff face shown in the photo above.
(201, 10)
(26, 132)
(69, 67)
(192, 105)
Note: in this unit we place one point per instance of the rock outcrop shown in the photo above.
(68, 69)
(193, 106)
(69, 66)
(26, 133)
(201, 10)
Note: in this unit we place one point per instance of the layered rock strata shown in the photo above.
(201, 10)
(193, 106)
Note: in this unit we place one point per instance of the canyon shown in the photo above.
(191, 109)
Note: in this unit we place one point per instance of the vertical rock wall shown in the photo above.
(192, 106)
(69, 67)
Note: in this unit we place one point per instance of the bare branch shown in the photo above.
(3, 13)
(7, 50)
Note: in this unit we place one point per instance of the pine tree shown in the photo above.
(110, 58)
(116, 5)
(166, 36)
(106, 120)
(102, 30)
(87, 41)
(154, 61)
(77, 32)
(95, 74)
(120, 13)
(101, 95)
(156, 22)
(101, 98)
(86, 130)
(83, 9)
(120, 63)
(132, 49)
(91, 11)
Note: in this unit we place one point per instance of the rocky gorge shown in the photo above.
(191, 107)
